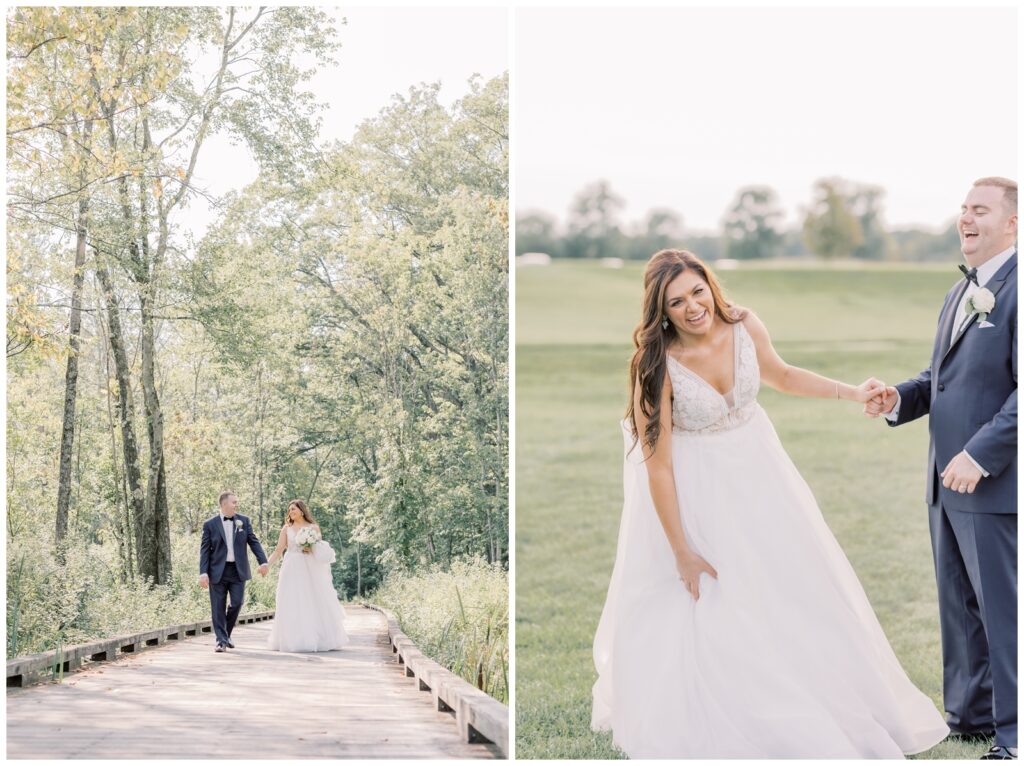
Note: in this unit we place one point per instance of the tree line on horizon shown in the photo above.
(844, 220)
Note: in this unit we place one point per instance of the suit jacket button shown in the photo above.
(942, 386)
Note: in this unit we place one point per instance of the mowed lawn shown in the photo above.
(573, 329)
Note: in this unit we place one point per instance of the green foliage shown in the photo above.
(574, 323)
(751, 227)
(457, 617)
(847, 219)
(831, 229)
(367, 305)
(594, 230)
(339, 335)
(49, 605)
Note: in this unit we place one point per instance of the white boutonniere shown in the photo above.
(981, 303)
(238, 524)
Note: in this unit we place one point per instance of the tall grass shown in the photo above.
(51, 606)
(457, 617)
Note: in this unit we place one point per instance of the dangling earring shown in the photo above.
(664, 322)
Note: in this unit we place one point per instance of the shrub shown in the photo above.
(458, 617)
(50, 605)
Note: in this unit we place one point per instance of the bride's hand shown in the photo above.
(872, 388)
(690, 566)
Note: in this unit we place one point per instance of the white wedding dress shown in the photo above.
(308, 616)
(782, 656)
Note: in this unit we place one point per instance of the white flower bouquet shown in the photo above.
(307, 537)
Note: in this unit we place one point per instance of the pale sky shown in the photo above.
(384, 50)
(680, 107)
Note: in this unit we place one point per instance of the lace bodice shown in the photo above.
(698, 407)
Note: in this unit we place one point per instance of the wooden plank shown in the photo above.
(183, 700)
(480, 718)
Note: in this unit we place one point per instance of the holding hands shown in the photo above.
(882, 400)
(870, 390)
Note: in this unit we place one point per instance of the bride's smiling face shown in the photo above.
(689, 304)
(294, 514)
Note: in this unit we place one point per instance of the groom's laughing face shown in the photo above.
(230, 505)
(985, 224)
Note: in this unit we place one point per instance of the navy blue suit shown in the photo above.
(969, 393)
(227, 577)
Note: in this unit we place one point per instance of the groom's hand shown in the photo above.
(882, 404)
(264, 568)
(204, 581)
(961, 475)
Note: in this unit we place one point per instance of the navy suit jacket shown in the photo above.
(970, 394)
(213, 549)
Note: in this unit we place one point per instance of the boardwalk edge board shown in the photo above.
(39, 668)
(480, 717)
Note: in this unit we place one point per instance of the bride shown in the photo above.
(309, 617)
(734, 626)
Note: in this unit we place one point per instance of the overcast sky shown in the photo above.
(681, 107)
(383, 51)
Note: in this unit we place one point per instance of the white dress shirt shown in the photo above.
(229, 536)
(986, 271)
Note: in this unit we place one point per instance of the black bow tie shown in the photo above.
(227, 518)
(971, 275)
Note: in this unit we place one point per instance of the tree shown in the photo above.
(865, 202)
(830, 229)
(385, 360)
(593, 228)
(131, 73)
(51, 128)
(661, 228)
(537, 233)
(751, 228)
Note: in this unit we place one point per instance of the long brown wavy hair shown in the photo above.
(301, 505)
(647, 367)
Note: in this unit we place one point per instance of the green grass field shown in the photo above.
(574, 323)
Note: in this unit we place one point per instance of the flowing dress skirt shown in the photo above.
(782, 656)
(308, 617)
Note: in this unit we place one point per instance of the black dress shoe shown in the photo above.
(1000, 753)
(220, 648)
(230, 645)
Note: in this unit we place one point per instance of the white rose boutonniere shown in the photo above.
(238, 524)
(981, 303)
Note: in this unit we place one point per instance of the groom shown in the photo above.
(969, 393)
(224, 565)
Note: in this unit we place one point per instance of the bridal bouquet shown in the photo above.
(307, 537)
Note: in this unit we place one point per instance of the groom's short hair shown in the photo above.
(224, 496)
(1008, 186)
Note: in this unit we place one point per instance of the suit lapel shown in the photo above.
(994, 285)
(946, 326)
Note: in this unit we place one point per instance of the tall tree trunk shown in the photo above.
(125, 408)
(359, 569)
(67, 440)
(154, 553)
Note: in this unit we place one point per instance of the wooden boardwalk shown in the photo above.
(184, 700)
